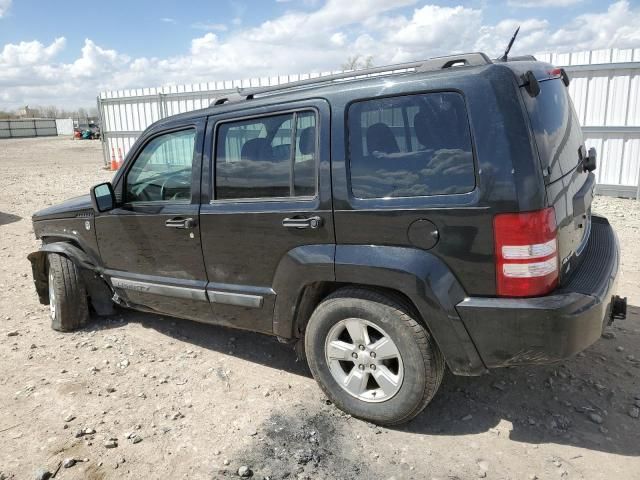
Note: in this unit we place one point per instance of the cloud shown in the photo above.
(4, 7)
(168, 20)
(542, 3)
(298, 41)
(29, 53)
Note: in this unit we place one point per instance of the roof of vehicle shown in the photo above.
(330, 85)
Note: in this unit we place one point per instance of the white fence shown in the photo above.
(605, 87)
(28, 127)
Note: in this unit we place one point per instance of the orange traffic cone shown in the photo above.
(114, 164)
(120, 161)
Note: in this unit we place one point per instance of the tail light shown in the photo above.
(526, 253)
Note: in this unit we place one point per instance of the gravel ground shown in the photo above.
(145, 396)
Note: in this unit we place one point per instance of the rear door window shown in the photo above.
(267, 157)
(408, 146)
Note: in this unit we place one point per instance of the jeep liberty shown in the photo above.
(420, 216)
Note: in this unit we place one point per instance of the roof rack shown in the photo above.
(432, 64)
(521, 58)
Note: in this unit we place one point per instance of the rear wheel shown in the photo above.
(371, 356)
(68, 304)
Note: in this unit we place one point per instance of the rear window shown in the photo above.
(556, 128)
(411, 145)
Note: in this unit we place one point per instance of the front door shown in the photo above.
(150, 245)
(269, 194)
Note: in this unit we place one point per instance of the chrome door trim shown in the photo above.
(238, 299)
(160, 289)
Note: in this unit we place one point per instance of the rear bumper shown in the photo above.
(546, 329)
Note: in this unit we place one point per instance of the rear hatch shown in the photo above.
(560, 142)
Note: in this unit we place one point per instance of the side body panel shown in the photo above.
(464, 222)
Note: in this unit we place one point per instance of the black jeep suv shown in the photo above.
(434, 213)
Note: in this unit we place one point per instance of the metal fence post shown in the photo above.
(103, 133)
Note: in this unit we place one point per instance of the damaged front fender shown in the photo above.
(99, 292)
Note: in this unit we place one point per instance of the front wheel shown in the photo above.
(371, 357)
(68, 304)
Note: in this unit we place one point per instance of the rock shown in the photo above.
(595, 418)
(500, 386)
(466, 418)
(89, 431)
(245, 472)
(561, 422)
(12, 333)
(634, 412)
(111, 443)
(637, 403)
(226, 462)
(42, 474)
(609, 335)
(69, 418)
(619, 348)
(110, 389)
(68, 462)
(136, 438)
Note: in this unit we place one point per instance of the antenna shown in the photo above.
(513, 39)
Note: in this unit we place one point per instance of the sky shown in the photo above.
(63, 54)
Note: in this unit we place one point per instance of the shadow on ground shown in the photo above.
(585, 401)
(6, 218)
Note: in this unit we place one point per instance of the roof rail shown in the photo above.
(432, 64)
(521, 58)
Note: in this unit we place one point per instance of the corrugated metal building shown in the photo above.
(28, 127)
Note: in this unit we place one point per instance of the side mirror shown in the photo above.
(103, 198)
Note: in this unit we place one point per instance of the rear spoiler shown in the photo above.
(530, 80)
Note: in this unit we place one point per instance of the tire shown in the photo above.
(68, 303)
(411, 378)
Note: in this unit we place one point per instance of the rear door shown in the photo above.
(268, 191)
(559, 140)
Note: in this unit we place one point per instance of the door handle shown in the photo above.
(180, 223)
(309, 222)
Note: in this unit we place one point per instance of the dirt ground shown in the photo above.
(186, 400)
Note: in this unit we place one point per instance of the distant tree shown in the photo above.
(50, 111)
(358, 62)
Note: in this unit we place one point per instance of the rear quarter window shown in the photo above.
(411, 145)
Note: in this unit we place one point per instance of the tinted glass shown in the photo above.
(410, 146)
(267, 157)
(304, 167)
(556, 127)
(104, 197)
(162, 171)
